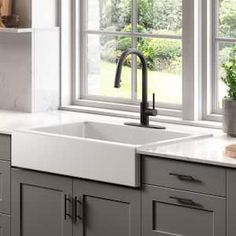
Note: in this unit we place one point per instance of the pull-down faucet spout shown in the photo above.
(145, 111)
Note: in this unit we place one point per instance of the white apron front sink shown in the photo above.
(97, 151)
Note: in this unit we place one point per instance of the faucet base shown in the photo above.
(145, 126)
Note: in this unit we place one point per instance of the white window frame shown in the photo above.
(71, 71)
(190, 70)
(211, 110)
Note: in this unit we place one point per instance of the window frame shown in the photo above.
(70, 15)
(189, 75)
(211, 109)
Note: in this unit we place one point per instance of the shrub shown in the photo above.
(229, 76)
(109, 51)
(113, 47)
(162, 54)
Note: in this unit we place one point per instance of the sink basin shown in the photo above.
(113, 133)
(97, 151)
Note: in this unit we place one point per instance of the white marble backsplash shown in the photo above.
(15, 70)
(29, 71)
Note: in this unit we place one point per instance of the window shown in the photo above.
(223, 42)
(185, 43)
(109, 27)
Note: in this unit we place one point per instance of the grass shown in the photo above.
(167, 86)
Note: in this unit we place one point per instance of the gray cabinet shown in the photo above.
(168, 212)
(184, 175)
(44, 204)
(106, 210)
(41, 204)
(231, 202)
(5, 183)
(5, 147)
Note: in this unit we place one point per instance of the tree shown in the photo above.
(115, 13)
(227, 18)
(160, 15)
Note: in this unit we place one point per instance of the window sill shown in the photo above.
(135, 115)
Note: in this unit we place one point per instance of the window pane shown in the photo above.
(160, 16)
(102, 53)
(225, 51)
(227, 18)
(109, 15)
(164, 58)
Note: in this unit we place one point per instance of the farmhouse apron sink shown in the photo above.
(97, 151)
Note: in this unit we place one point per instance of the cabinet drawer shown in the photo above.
(5, 147)
(175, 212)
(184, 176)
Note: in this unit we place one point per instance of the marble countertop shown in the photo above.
(11, 121)
(210, 150)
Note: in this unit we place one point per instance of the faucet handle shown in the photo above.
(151, 111)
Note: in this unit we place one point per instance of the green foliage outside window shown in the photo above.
(163, 17)
(229, 75)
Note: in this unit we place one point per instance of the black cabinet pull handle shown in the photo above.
(153, 101)
(185, 177)
(66, 201)
(76, 209)
(185, 201)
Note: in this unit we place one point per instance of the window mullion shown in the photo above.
(207, 57)
(191, 66)
(134, 45)
(83, 50)
(215, 66)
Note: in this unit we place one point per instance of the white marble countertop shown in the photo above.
(11, 121)
(204, 150)
(209, 150)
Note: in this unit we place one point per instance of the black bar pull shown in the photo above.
(77, 216)
(66, 201)
(184, 201)
(185, 177)
(153, 101)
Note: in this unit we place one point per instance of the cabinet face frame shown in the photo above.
(5, 224)
(5, 186)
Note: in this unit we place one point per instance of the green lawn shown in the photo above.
(167, 86)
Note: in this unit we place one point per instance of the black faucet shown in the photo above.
(145, 111)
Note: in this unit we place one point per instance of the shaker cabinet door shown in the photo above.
(167, 212)
(106, 210)
(40, 203)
